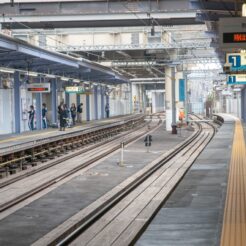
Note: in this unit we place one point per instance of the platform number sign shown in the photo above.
(231, 79)
(236, 79)
(235, 60)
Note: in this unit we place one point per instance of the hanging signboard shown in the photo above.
(236, 79)
(74, 89)
(39, 87)
(232, 32)
(237, 61)
(181, 90)
(78, 90)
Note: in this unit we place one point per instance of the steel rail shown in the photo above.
(86, 222)
(46, 140)
(67, 141)
(67, 157)
(81, 226)
(45, 185)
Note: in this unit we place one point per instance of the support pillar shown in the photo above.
(102, 102)
(107, 102)
(173, 96)
(170, 97)
(87, 107)
(77, 100)
(39, 109)
(67, 99)
(130, 98)
(54, 101)
(186, 98)
(17, 103)
(95, 103)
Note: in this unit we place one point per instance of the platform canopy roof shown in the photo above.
(20, 55)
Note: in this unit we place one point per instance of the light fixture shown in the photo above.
(52, 76)
(64, 79)
(244, 10)
(32, 74)
(6, 70)
(76, 80)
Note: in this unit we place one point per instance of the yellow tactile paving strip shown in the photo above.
(234, 222)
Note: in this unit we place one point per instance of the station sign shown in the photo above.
(74, 89)
(39, 87)
(237, 61)
(78, 90)
(232, 32)
(236, 79)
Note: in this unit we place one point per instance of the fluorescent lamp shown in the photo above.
(6, 70)
(33, 74)
(52, 76)
(64, 78)
(244, 10)
(76, 80)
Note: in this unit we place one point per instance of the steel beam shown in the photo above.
(31, 51)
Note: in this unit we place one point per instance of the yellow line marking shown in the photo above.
(234, 221)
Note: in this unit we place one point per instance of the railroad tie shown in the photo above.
(234, 221)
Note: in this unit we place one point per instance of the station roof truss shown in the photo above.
(18, 54)
(191, 40)
(57, 14)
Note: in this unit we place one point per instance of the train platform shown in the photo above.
(193, 214)
(35, 219)
(36, 135)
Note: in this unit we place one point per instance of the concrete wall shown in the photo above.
(233, 105)
(6, 111)
(157, 102)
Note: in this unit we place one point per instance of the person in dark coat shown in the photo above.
(73, 112)
(62, 111)
(107, 110)
(44, 112)
(31, 113)
(80, 111)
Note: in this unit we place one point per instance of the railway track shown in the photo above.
(25, 186)
(21, 156)
(119, 217)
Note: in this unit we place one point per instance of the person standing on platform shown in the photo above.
(107, 110)
(73, 112)
(44, 119)
(31, 113)
(63, 117)
(67, 115)
(80, 111)
(59, 111)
